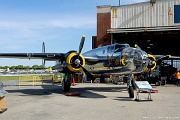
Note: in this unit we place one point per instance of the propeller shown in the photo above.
(76, 61)
(154, 62)
(59, 66)
(89, 75)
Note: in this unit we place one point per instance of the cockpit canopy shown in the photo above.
(117, 47)
(134, 53)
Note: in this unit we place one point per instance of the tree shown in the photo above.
(5, 67)
(42, 67)
(35, 67)
(26, 67)
(20, 67)
(13, 67)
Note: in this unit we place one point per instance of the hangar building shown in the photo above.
(153, 25)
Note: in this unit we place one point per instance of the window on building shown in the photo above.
(176, 13)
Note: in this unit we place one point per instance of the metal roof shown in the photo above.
(143, 29)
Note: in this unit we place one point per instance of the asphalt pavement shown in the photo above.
(97, 101)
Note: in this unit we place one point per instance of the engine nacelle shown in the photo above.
(152, 64)
(75, 61)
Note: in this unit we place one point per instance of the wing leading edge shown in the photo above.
(47, 56)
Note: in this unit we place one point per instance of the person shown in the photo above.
(178, 78)
(84, 77)
(102, 78)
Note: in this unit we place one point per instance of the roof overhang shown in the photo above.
(143, 29)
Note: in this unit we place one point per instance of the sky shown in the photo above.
(60, 24)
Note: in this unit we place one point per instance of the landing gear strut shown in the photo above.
(131, 86)
(66, 83)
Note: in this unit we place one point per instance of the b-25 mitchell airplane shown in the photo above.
(115, 58)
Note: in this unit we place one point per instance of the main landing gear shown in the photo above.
(131, 86)
(66, 83)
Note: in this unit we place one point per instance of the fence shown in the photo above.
(25, 80)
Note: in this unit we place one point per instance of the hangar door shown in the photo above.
(156, 42)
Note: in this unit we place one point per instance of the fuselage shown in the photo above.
(116, 58)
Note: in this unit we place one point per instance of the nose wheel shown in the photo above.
(130, 86)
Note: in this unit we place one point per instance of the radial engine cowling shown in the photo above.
(75, 62)
(152, 63)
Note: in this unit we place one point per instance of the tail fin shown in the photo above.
(43, 51)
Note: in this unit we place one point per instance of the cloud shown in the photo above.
(68, 22)
(16, 33)
(73, 23)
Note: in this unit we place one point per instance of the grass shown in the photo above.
(23, 77)
(9, 78)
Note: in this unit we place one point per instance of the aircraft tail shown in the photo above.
(43, 51)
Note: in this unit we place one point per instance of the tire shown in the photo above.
(157, 83)
(66, 86)
(131, 92)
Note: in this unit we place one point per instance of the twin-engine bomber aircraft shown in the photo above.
(115, 58)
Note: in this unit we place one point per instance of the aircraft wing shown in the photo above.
(47, 56)
(170, 57)
(73, 61)
(175, 58)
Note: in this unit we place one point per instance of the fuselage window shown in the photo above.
(103, 51)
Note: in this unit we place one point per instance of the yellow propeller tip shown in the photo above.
(135, 45)
(169, 56)
(83, 36)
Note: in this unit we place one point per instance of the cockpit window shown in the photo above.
(119, 48)
(128, 51)
(132, 53)
(110, 48)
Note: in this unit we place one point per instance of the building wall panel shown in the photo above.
(145, 14)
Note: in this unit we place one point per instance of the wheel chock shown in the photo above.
(3, 107)
(73, 94)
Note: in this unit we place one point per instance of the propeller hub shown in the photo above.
(152, 62)
(77, 62)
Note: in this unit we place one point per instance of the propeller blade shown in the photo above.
(159, 61)
(89, 75)
(59, 66)
(81, 44)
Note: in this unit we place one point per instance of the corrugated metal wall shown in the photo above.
(145, 14)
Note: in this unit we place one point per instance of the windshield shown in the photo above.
(120, 47)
